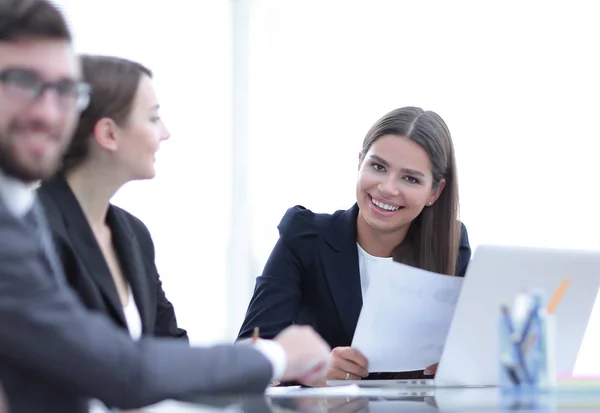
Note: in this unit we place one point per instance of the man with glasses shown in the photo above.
(54, 354)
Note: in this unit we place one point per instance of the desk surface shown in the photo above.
(440, 400)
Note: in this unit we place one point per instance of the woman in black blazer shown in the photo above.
(107, 253)
(406, 211)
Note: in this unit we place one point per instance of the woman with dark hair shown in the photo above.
(406, 211)
(107, 253)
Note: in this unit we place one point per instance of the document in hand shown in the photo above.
(405, 318)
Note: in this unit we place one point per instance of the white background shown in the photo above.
(516, 80)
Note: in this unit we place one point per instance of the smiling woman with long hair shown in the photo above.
(406, 211)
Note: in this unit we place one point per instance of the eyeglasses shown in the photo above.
(26, 85)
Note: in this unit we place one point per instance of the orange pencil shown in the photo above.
(558, 295)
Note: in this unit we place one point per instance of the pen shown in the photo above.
(558, 295)
(508, 320)
(532, 317)
(529, 335)
(526, 346)
(515, 340)
(509, 324)
(510, 370)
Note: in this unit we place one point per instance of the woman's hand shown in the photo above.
(347, 363)
(431, 370)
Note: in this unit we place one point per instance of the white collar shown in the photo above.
(17, 195)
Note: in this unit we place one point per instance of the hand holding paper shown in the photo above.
(405, 319)
(347, 363)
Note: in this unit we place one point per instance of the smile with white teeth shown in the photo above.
(384, 206)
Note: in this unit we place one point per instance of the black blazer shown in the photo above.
(87, 271)
(312, 277)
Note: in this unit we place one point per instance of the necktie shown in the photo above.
(36, 220)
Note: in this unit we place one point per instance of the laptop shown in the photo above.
(496, 275)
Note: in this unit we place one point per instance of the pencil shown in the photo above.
(255, 334)
(558, 295)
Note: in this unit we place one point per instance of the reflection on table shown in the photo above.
(396, 400)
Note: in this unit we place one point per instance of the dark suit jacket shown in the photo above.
(55, 354)
(312, 277)
(86, 269)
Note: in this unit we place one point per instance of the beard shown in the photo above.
(11, 167)
(28, 166)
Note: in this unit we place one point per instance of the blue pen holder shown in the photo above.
(527, 354)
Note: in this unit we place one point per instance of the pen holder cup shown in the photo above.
(528, 361)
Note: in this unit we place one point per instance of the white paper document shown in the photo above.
(351, 390)
(405, 318)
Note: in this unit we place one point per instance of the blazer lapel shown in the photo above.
(130, 255)
(340, 260)
(83, 242)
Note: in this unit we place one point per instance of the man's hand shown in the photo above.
(307, 354)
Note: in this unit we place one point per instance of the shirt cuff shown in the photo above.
(275, 353)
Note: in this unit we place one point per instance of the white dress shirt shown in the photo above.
(132, 317)
(369, 265)
(275, 353)
(17, 196)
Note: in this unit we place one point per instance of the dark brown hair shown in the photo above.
(21, 19)
(432, 239)
(114, 83)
